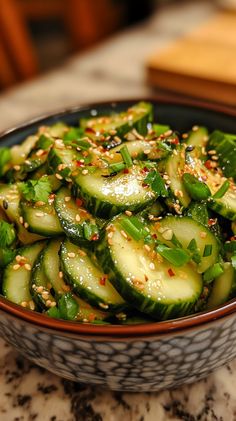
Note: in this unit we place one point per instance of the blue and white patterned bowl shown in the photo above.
(147, 357)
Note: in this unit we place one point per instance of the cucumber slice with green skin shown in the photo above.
(197, 138)
(43, 172)
(75, 219)
(20, 152)
(107, 196)
(201, 213)
(10, 204)
(63, 160)
(87, 280)
(136, 117)
(51, 267)
(41, 220)
(142, 150)
(224, 287)
(17, 277)
(89, 314)
(185, 229)
(225, 146)
(40, 287)
(175, 168)
(149, 283)
(226, 205)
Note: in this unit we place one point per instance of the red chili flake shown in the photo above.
(79, 202)
(175, 141)
(79, 164)
(233, 238)
(145, 169)
(102, 280)
(208, 164)
(154, 236)
(170, 272)
(89, 130)
(126, 171)
(211, 221)
(95, 237)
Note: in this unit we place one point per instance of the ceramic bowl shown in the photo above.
(147, 357)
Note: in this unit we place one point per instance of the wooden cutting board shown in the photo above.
(202, 64)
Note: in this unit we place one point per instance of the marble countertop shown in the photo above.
(114, 69)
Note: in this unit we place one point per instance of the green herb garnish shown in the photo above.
(156, 182)
(207, 250)
(5, 157)
(134, 227)
(126, 156)
(222, 190)
(36, 190)
(213, 272)
(7, 234)
(68, 307)
(176, 256)
(195, 188)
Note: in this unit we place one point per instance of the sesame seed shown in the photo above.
(103, 305)
(39, 152)
(168, 133)
(48, 303)
(39, 203)
(26, 225)
(59, 177)
(212, 152)
(27, 266)
(82, 253)
(110, 234)
(110, 241)
(16, 267)
(77, 218)
(60, 275)
(147, 247)
(123, 233)
(16, 167)
(215, 158)
(18, 258)
(67, 198)
(85, 172)
(71, 255)
(152, 266)
(195, 128)
(24, 304)
(185, 135)
(147, 151)
(31, 305)
(128, 213)
(21, 220)
(53, 304)
(39, 214)
(40, 289)
(203, 234)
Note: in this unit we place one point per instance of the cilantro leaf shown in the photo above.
(156, 182)
(36, 190)
(5, 156)
(7, 234)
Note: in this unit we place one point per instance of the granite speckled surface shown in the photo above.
(112, 70)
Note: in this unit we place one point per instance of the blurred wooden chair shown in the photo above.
(86, 22)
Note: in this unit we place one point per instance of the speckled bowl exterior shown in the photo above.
(140, 358)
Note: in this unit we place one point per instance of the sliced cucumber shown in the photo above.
(224, 287)
(186, 229)
(17, 276)
(20, 152)
(77, 223)
(107, 196)
(142, 150)
(89, 314)
(63, 160)
(86, 278)
(224, 145)
(41, 220)
(51, 267)
(197, 138)
(10, 204)
(146, 281)
(175, 168)
(136, 117)
(39, 286)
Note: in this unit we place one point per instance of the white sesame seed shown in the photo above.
(71, 255)
(16, 267)
(128, 213)
(167, 234)
(27, 266)
(85, 172)
(77, 218)
(67, 198)
(59, 177)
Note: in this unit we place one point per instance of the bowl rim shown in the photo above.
(147, 329)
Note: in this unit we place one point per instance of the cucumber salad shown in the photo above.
(119, 220)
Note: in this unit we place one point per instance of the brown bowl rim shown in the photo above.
(154, 328)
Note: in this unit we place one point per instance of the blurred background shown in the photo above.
(56, 53)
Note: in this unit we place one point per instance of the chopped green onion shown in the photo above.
(195, 188)
(222, 190)
(117, 167)
(90, 230)
(6, 256)
(192, 245)
(156, 182)
(160, 128)
(193, 248)
(74, 133)
(176, 256)
(5, 156)
(44, 142)
(68, 307)
(134, 227)
(213, 272)
(207, 250)
(53, 312)
(174, 240)
(126, 156)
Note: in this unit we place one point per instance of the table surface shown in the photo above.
(115, 69)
